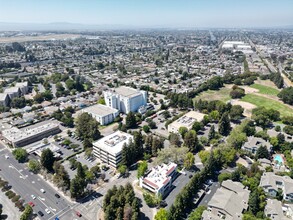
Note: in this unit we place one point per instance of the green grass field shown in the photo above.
(265, 89)
(260, 101)
(222, 95)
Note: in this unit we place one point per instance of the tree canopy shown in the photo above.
(87, 127)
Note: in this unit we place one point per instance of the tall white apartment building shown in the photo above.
(125, 99)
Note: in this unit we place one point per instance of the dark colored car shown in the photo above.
(57, 195)
(40, 213)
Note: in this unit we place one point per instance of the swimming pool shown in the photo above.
(279, 158)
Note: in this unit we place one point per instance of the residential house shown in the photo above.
(253, 143)
(274, 210)
(229, 202)
(272, 183)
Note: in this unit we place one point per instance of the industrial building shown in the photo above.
(159, 179)
(21, 137)
(186, 120)
(125, 99)
(108, 149)
(103, 114)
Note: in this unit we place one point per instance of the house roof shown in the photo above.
(3, 96)
(269, 179)
(232, 197)
(274, 208)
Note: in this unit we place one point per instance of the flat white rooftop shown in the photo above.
(113, 143)
(100, 110)
(160, 175)
(14, 134)
(126, 91)
(188, 119)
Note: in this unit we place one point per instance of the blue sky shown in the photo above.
(151, 13)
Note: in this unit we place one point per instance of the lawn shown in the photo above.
(265, 89)
(260, 101)
(222, 95)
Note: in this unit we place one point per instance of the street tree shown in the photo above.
(20, 155)
(34, 165)
(47, 159)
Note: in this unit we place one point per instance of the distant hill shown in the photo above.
(58, 26)
(65, 26)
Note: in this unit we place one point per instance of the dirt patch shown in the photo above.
(247, 106)
(249, 90)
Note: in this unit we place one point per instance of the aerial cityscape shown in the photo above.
(146, 110)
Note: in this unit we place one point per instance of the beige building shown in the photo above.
(186, 120)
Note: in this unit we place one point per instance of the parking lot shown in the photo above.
(178, 185)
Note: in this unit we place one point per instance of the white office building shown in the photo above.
(159, 179)
(125, 99)
(108, 149)
(103, 114)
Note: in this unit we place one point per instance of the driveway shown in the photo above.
(210, 193)
(178, 185)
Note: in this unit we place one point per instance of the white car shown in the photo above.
(42, 190)
(33, 197)
(47, 211)
(6, 156)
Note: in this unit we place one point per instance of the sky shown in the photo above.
(151, 13)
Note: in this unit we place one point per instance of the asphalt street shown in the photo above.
(26, 184)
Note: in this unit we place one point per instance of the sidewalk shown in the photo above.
(149, 212)
(8, 208)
